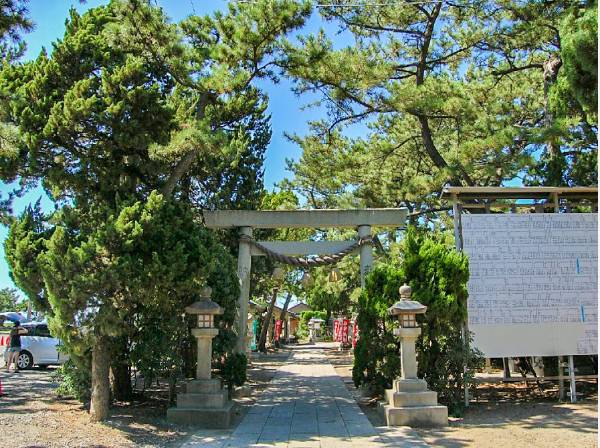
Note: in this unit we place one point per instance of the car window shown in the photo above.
(42, 330)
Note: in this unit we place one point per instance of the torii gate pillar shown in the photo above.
(366, 254)
(244, 267)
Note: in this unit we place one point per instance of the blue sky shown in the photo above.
(286, 109)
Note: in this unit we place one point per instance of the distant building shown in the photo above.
(299, 307)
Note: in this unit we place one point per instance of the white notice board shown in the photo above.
(533, 287)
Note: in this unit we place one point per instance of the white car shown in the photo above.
(38, 347)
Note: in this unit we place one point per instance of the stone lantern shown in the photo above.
(206, 310)
(410, 403)
(314, 328)
(204, 402)
(406, 310)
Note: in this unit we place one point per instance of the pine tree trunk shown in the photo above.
(120, 372)
(555, 171)
(100, 403)
(284, 314)
(120, 380)
(267, 321)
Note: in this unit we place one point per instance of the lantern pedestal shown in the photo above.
(409, 402)
(204, 403)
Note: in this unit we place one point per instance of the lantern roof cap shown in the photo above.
(405, 290)
(204, 305)
(316, 319)
(407, 307)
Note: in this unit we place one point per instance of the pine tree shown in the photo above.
(129, 124)
(446, 92)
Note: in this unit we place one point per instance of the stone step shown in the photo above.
(415, 416)
(203, 386)
(407, 399)
(202, 418)
(202, 400)
(411, 385)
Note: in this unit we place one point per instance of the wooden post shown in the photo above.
(556, 202)
(561, 386)
(456, 211)
(458, 241)
(488, 365)
(505, 368)
(488, 204)
(572, 377)
(539, 208)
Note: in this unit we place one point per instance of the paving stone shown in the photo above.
(258, 409)
(304, 444)
(307, 428)
(307, 406)
(365, 429)
(273, 438)
(241, 441)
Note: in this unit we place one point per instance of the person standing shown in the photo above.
(15, 345)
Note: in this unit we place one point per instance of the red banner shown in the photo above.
(336, 330)
(345, 328)
(354, 334)
(278, 325)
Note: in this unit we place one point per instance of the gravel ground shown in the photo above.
(514, 417)
(37, 418)
(31, 415)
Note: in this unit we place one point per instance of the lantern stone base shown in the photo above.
(409, 403)
(204, 404)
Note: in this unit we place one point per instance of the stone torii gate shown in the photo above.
(247, 220)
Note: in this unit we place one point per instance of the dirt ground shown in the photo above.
(504, 415)
(32, 416)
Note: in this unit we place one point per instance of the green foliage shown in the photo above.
(334, 297)
(576, 89)
(74, 379)
(305, 316)
(154, 259)
(9, 299)
(376, 356)
(437, 275)
(13, 21)
(572, 105)
(445, 93)
(233, 370)
(26, 241)
(131, 124)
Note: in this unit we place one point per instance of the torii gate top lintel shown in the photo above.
(247, 220)
(272, 219)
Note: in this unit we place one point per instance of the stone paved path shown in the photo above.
(306, 405)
